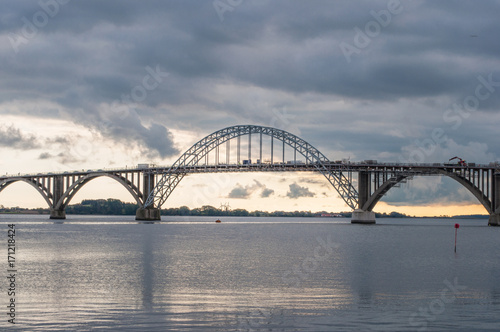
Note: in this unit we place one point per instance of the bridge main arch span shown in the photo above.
(200, 149)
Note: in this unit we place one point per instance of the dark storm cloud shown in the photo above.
(190, 43)
(92, 53)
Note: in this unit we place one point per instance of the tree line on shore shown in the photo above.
(116, 207)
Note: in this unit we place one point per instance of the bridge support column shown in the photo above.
(363, 217)
(57, 192)
(495, 201)
(57, 214)
(494, 219)
(147, 214)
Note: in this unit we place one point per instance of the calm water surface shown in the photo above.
(252, 274)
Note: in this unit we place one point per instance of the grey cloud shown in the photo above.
(67, 157)
(125, 124)
(266, 192)
(12, 137)
(245, 192)
(58, 140)
(199, 46)
(210, 39)
(45, 155)
(159, 138)
(74, 16)
(424, 191)
(297, 191)
(239, 192)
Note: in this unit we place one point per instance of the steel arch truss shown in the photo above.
(171, 178)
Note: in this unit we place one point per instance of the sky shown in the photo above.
(94, 85)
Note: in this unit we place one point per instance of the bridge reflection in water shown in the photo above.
(224, 151)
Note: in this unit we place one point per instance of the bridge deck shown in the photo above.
(417, 169)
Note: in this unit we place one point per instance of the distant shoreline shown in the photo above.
(115, 207)
(475, 216)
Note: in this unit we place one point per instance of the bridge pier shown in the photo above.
(363, 217)
(495, 201)
(494, 219)
(147, 214)
(57, 214)
(57, 194)
(360, 216)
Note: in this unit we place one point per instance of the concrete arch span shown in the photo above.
(380, 192)
(42, 190)
(75, 187)
(386, 186)
(57, 200)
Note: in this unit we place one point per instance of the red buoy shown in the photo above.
(457, 226)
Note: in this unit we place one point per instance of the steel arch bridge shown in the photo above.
(200, 149)
(152, 185)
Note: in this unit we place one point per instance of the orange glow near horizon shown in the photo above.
(432, 210)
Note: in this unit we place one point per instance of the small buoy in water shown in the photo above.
(457, 226)
(218, 220)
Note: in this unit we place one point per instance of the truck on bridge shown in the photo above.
(143, 166)
(460, 162)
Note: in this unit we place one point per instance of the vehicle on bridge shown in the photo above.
(140, 166)
(460, 162)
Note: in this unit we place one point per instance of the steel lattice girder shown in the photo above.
(193, 155)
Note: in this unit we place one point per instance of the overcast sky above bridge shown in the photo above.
(93, 84)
